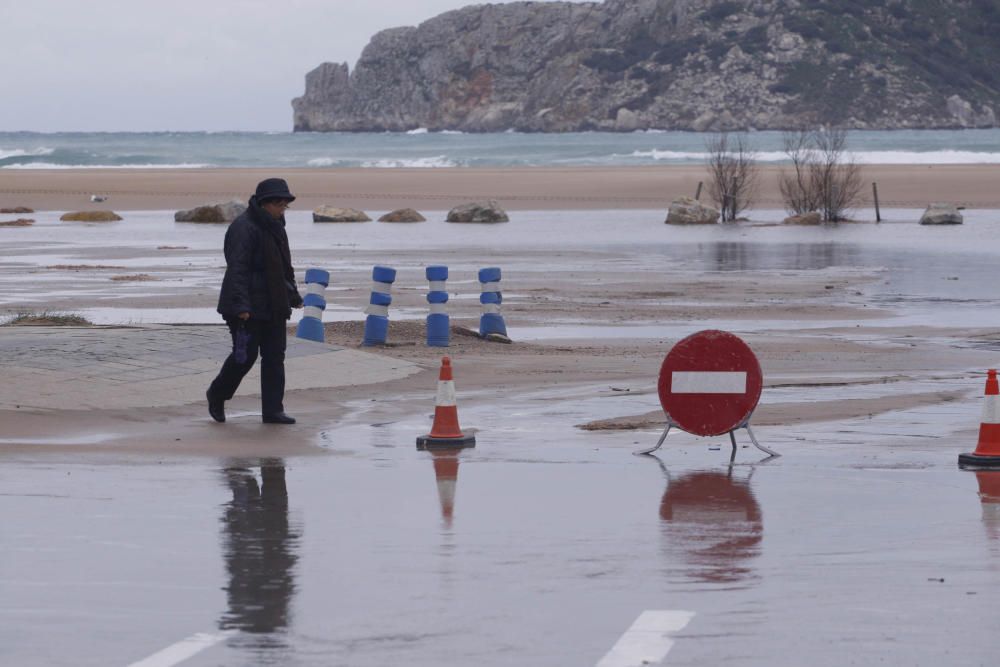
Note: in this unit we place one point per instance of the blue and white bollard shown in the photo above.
(377, 323)
(437, 297)
(313, 304)
(491, 320)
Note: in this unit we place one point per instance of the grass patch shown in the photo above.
(47, 319)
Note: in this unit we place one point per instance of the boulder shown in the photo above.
(941, 213)
(17, 209)
(690, 211)
(402, 215)
(20, 222)
(333, 214)
(810, 218)
(223, 212)
(91, 216)
(478, 212)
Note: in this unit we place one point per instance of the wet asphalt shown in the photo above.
(541, 546)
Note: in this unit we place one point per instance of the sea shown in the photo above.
(423, 149)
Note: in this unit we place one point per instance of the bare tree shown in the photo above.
(732, 171)
(825, 178)
(796, 189)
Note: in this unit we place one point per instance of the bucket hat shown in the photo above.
(273, 188)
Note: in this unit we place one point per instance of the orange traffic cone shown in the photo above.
(987, 454)
(445, 431)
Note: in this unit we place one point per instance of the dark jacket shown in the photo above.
(245, 286)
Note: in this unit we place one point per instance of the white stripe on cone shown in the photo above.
(991, 409)
(315, 288)
(313, 311)
(708, 382)
(385, 288)
(372, 309)
(491, 307)
(446, 394)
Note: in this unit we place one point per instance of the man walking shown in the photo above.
(257, 297)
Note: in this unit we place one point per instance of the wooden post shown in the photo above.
(878, 213)
(697, 194)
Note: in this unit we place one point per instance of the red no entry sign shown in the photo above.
(710, 383)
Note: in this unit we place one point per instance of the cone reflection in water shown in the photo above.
(445, 432)
(446, 475)
(989, 495)
(987, 454)
(713, 522)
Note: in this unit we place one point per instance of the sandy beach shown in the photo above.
(527, 188)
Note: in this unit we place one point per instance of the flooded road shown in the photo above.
(546, 545)
(535, 548)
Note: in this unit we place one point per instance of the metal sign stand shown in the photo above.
(732, 437)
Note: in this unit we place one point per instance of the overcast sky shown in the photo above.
(134, 65)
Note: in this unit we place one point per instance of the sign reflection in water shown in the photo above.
(712, 525)
(260, 550)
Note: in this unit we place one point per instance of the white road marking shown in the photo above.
(708, 382)
(648, 641)
(184, 649)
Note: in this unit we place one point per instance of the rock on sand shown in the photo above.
(91, 216)
(478, 212)
(334, 214)
(690, 211)
(222, 212)
(941, 213)
(17, 209)
(402, 215)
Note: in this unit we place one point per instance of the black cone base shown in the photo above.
(978, 461)
(427, 442)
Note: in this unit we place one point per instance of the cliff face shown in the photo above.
(699, 65)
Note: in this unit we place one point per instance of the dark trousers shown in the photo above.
(267, 338)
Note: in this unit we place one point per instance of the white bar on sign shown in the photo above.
(708, 382)
(648, 641)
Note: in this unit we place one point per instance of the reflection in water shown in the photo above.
(712, 522)
(446, 474)
(989, 495)
(259, 547)
(736, 256)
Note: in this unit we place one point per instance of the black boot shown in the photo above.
(279, 418)
(216, 408)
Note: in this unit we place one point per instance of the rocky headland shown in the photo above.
(703, 65)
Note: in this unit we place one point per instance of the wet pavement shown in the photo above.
(541, 546)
